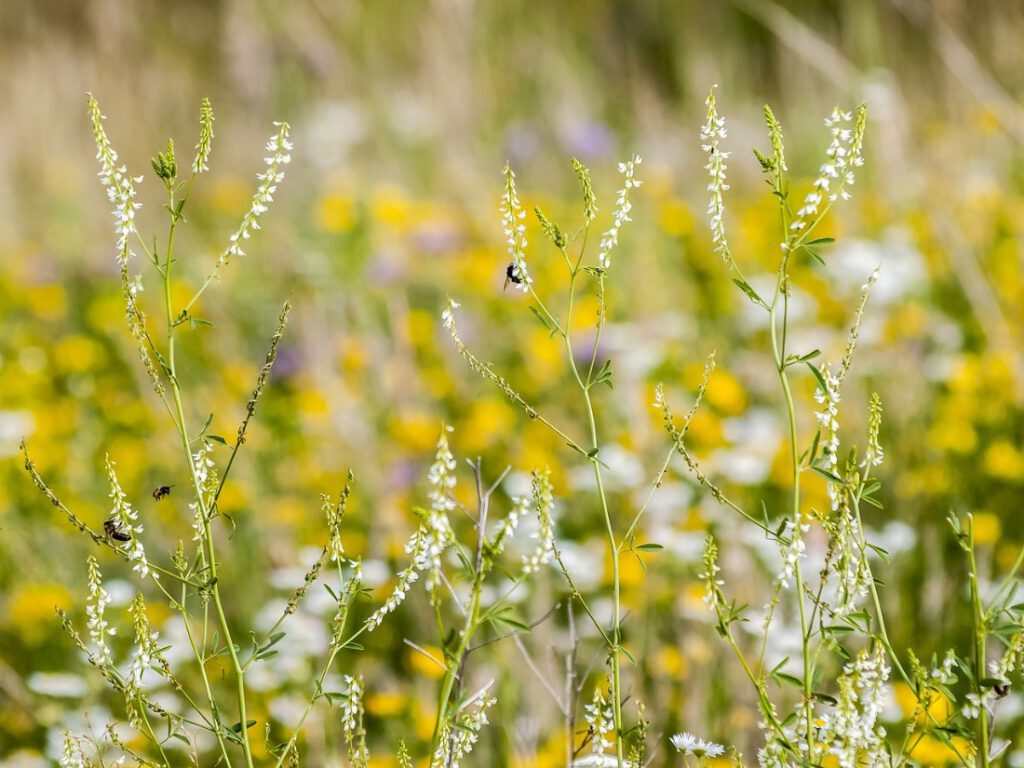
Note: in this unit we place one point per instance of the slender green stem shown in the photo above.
(207, 535)
(796, 515)
(980, 632)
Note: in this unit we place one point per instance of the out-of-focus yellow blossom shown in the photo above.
(106, 312)
(705, 430)
(291, 511)
(669, 662)
(676, 218)
(352, 354)
(421, 326)
(725, 393)
(931, 752)
(77, 354)
(487, 424)
(386, 703)
(416, 430)
(391, 207)
(335, 212)
(48, 302)
(953, 432)
(939, 707)
(312, 402)
(545, 355)
(239, 379)
(423, 720)
(1004, 461)
(230, 196)
(232, 497)
(428, 667)
(479, 269)
(31, 609)
(987, 527)
(585, 312)
(694, 521)
(693, 596)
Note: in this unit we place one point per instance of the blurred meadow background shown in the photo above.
(403, 116)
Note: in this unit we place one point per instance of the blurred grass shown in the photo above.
(404, 114)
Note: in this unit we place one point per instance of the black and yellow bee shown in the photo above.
(112, 528)
(511, 276)
(161, 492)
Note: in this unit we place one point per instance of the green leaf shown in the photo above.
(604, 375)
(751, 293)
(814, 255)
(545, 321)
(217, 439)
(649, 547)
(821, 241)
(818, 375)
(828, 475)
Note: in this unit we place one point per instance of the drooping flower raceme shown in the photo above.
(513, 222)
(623, 206)
(119, 185)
(279, 148)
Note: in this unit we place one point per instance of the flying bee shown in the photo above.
(511, 276)
(161, 492)
(112, 528)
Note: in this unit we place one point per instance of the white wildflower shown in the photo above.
(146, 653)
(513, 223)
(99, 628)
(206, 478)
(874, 454)
(712, 593)
(455, 743)
(431, 538)
(448, 315)
(791, 549)
(507, 527)
(352, 721)
(119, 185)
(711, 133)
(279, 148)
(600, 716)
(843, 155)
(71, 754)
(853, 731)
(623, 206)
(205, 137)
(689, 744)
(828, 420)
